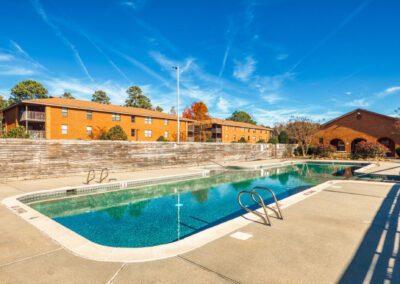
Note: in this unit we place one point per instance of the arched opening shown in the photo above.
(355, 142)
(389, 143)
(338, 144)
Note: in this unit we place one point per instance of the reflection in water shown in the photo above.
(117, 213)
(201, 195)
(136, 209)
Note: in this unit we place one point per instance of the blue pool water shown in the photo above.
(160, 214)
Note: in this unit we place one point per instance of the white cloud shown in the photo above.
(358, 103)
(42, 13)
(270, 83)
(6, 57)
(348, 93)
(244, 70)
(392, 90)
(134, 4)
(15, 71)
(223, 105)
(272, 98)
(282, 56)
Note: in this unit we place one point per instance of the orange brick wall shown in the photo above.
(77, 121)
(230, 133)
(370, 127)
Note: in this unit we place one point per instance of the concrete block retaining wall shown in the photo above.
(26, 159)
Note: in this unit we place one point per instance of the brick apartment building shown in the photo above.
(226, 131)
(59, 118)
(359, 125)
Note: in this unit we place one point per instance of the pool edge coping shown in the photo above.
(82, 247)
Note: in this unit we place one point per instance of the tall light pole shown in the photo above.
(177, 103)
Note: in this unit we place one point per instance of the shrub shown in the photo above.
(324, 151)
(261, 141)
(398, 151)
(114, 133)
(162, 139)
(299, 152)
(273, 140)
(369, 150)
(283, 137)
(210, 140)
(242, 140)
(18, 132)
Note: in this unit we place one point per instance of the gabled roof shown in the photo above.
(235, 123)
(355, 111)
(94, 106)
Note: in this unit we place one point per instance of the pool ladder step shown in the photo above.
(92, 175)
(256, 197)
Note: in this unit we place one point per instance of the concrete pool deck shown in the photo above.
(347, 230)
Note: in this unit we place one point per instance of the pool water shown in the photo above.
(159, 214)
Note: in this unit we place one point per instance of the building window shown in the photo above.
(226, 136)
(248, 129)
(64, 129)
(148, 133)
(133, 132)
(254, 138)
(242, 129)
(116, 117)
(165, 121)
(248, 138)
(234, 137)
(254, 131)
(166, 134)
(89, 115)
(89, 131)
(226, 128)
(148, 120)
(321, 140)
(133, 119)
(64, 112)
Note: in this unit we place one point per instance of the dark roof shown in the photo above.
(355, 111)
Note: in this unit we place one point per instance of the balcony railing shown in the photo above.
(216, 130)
(37, 134)
(33, 116)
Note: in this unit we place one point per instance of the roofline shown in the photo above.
(354, 111)
(90, 108)
(249, 124)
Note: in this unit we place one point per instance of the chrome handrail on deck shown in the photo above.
(264, 216)
(277, 211)
(90, 177)
(253, 193)
(102, 178)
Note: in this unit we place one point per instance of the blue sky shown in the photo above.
(273, 58)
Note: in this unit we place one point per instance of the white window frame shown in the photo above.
(166, 122)
(64, 112)
(166, 134)
(148, 120)
(64, 129)
(89, 114)
(148, 133)
(89, 130)
(116, 117)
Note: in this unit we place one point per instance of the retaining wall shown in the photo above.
(27, 159)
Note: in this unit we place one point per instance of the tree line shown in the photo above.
(30, 89)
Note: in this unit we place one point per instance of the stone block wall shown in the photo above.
(27, 159)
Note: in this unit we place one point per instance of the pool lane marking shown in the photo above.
(116, 274)
(208, 269)
(30, 257)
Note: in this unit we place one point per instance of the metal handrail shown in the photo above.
(102, 178)
(277, 211)
(89, 177)
(265, 216)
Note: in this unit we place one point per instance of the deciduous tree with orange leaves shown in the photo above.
(197, 111)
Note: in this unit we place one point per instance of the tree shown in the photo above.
(273, 140)
(158, 108)
(137, 99)
(172, 111)
(283, 137)
(197, 111)
(114, 133)
(3, 103)
(67, 95)
(241, 116)
(100, 96)
(302, 130)
(28, 90)
(18, 132)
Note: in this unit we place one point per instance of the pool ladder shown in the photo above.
(92, 175)
(256, 197)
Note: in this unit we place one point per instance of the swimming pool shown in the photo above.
(163, 213)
